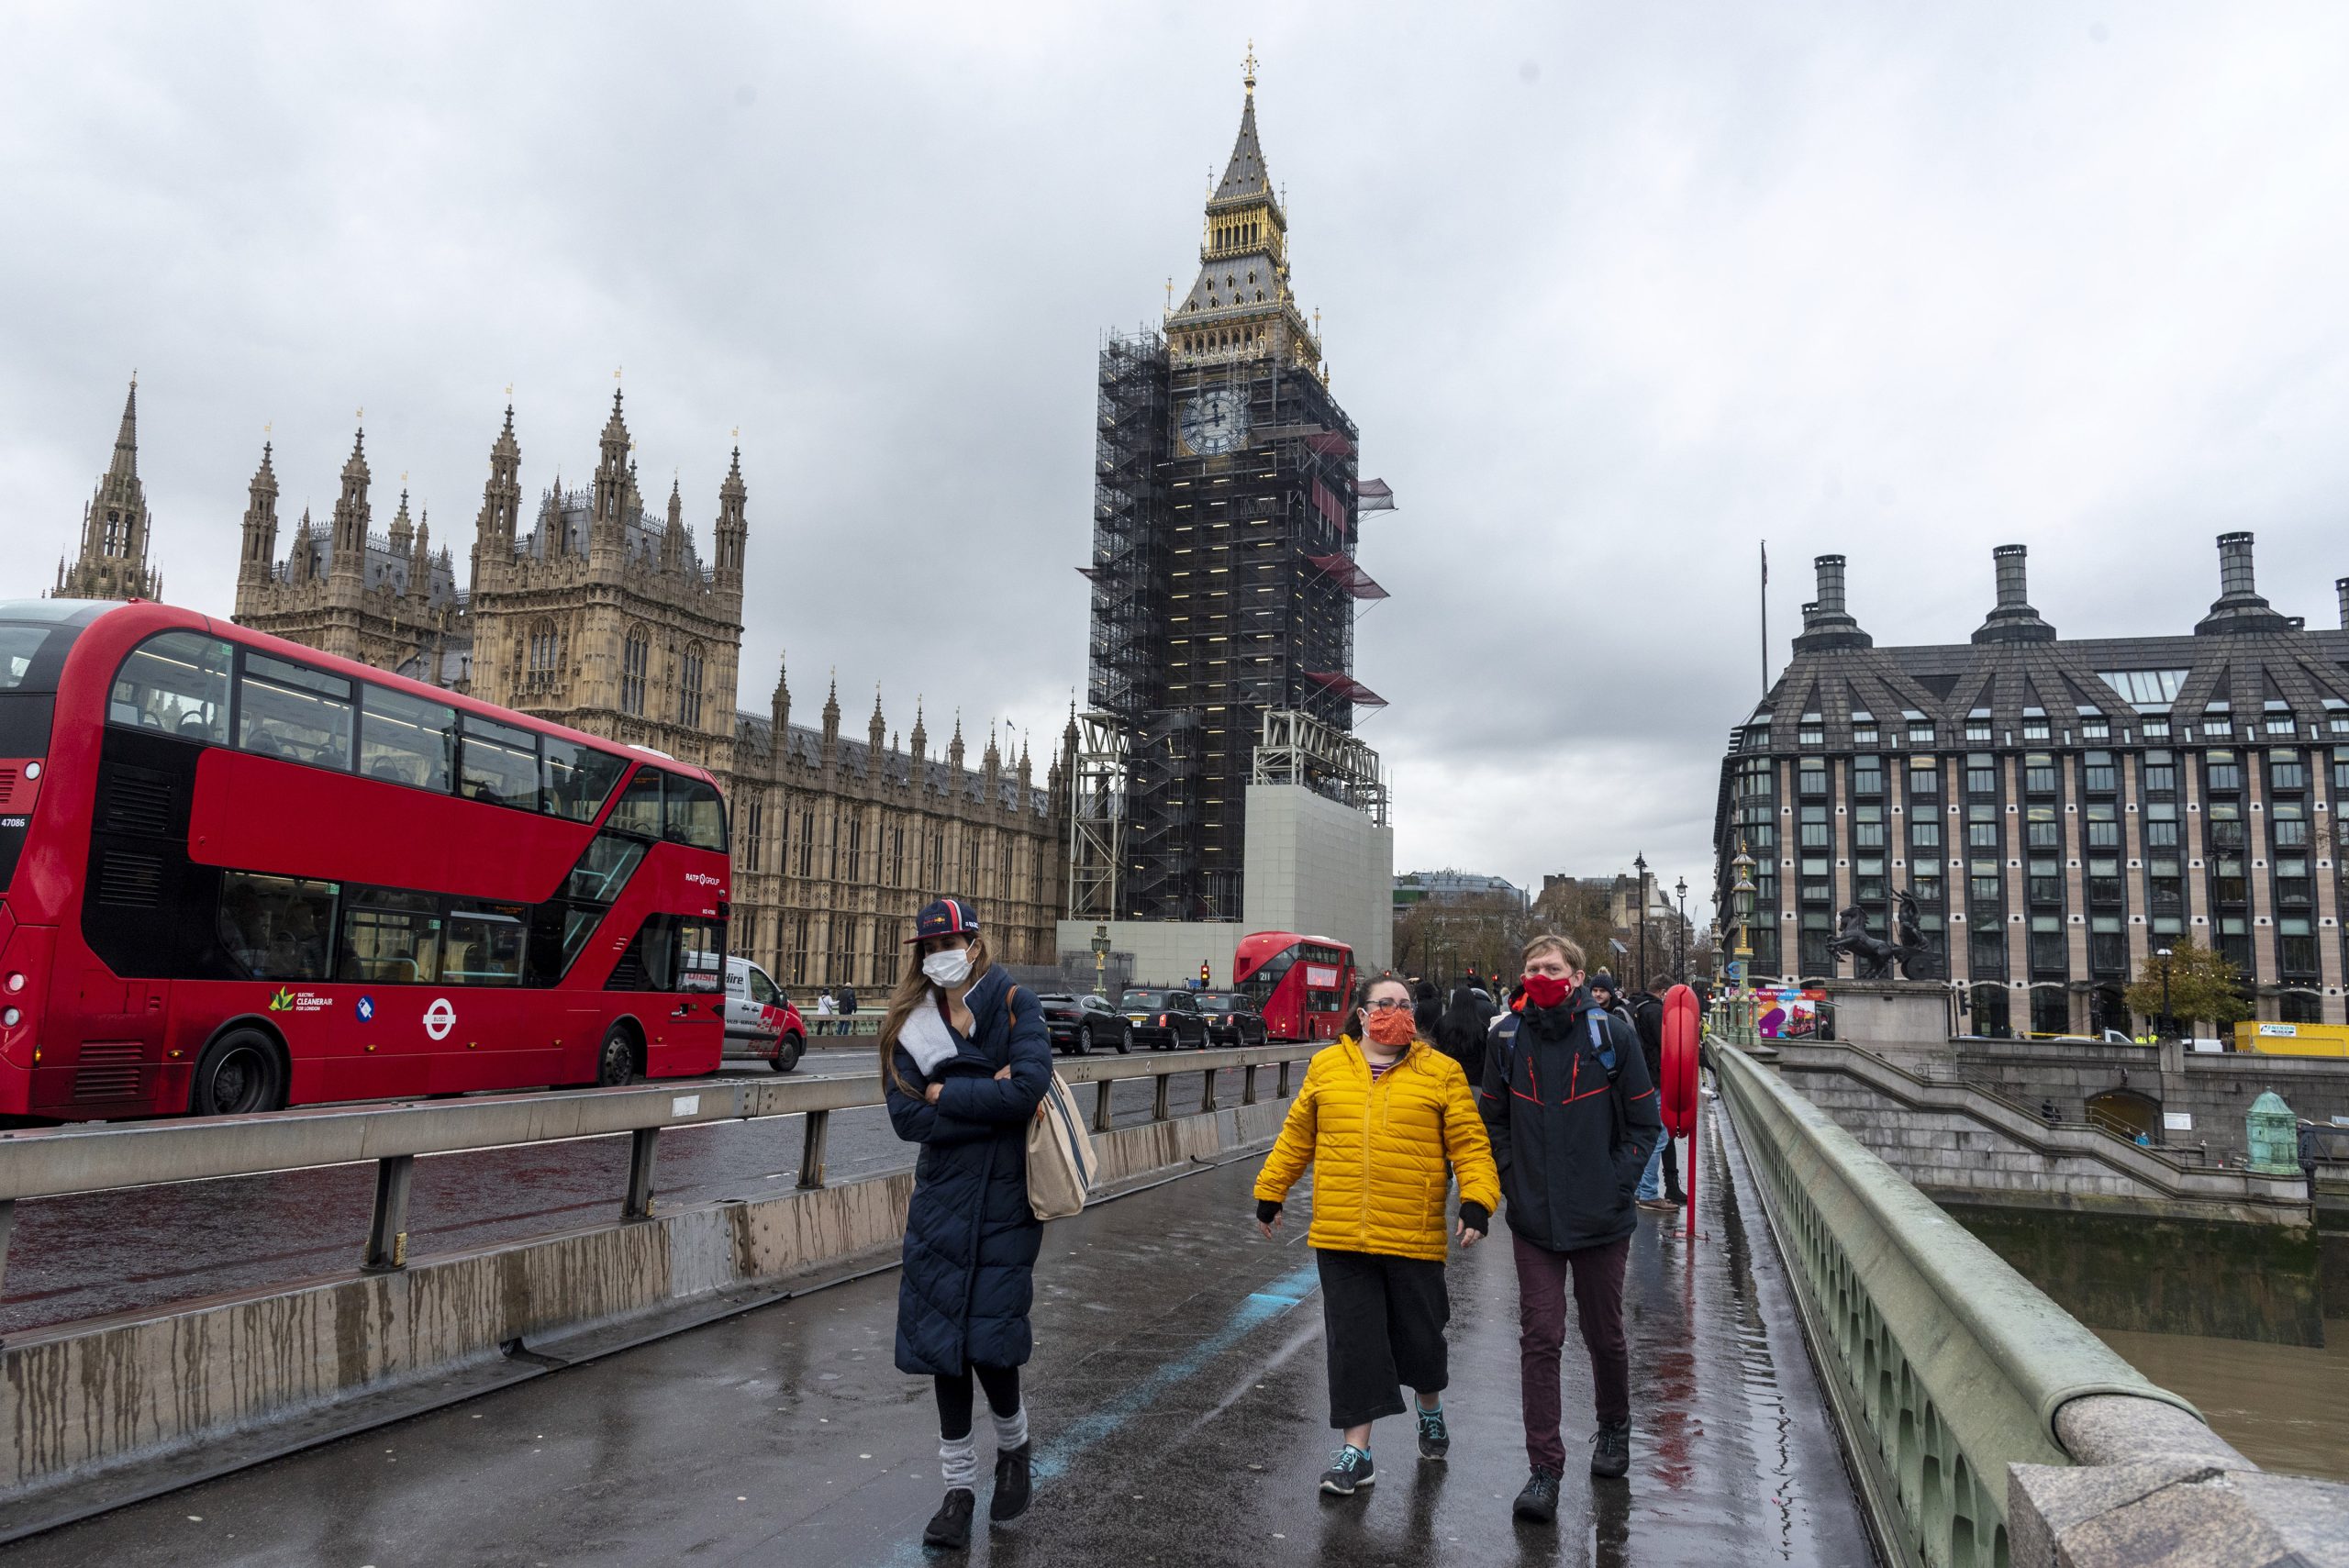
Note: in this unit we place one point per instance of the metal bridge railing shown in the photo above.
(62, 1160)
(1945, 1366)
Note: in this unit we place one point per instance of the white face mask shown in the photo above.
(948, 969)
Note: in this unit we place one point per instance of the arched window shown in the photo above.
(636, 656)
(689, 683)
(544, 652)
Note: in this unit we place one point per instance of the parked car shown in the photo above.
(1230, 1020)
(760, 1020)
(1080, 1024)
(1165, 1020)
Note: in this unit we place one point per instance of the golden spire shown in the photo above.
(1248, 80)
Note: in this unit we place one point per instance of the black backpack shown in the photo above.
(1601, 1039)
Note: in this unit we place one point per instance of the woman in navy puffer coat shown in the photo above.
(966, 1061)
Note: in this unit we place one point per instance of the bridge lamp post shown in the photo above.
(1741, 894)
(1640, 864)
(1680, 933)
(2167, 1029)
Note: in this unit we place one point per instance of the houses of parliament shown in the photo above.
(586, 607)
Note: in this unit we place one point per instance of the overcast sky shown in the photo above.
(1613, 292)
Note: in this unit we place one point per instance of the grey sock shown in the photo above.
(958, 1458)
(1010, 1430)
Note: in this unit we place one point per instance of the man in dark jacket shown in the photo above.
(1572, 1113)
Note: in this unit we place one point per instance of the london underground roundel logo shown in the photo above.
(439, 1018)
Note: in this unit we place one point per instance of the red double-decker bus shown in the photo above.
(1303, 986)
(236, 874)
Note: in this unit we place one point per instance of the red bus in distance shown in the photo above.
(238, 874)
(1303, 986)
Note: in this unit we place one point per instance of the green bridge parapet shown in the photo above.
(1970, 1402)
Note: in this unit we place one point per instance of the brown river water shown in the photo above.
(2252, 1327)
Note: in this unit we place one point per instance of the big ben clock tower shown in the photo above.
(1224, 581)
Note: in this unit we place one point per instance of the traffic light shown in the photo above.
(1203, 976)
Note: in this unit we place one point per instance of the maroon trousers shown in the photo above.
(1542, 1331)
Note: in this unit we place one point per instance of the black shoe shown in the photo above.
(949, 1527)
(1539, 1501)
(1610, 1450)
(1350, 1469)
(1014, 1481)
(1435, 1437)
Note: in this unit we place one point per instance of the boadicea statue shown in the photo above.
(1873, 957)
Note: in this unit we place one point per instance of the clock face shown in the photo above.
(1215, 422)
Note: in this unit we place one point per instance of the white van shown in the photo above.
(760, 1020)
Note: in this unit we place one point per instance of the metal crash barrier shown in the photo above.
(1943, 1364)
(64, 1161)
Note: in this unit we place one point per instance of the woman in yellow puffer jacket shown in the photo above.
(1380, 1116)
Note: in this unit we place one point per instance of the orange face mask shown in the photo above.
(1392, 1026)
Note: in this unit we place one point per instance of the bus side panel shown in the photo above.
(248, 809)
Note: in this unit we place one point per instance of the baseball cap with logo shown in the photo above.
(944, 917)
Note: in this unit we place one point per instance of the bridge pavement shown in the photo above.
(1178, 1402)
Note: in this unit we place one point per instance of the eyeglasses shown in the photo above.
(1382, 1003)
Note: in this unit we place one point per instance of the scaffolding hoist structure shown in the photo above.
(1297, 749)
(1224, 589)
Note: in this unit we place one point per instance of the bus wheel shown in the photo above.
(615, 1063)
(238, 1072)
(786, 1053)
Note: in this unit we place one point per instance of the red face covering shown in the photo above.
(1392, 1026)
(1546, 990)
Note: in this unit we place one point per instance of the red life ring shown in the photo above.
(1676, 1095)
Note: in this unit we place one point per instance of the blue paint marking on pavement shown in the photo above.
(1256, 1309)
(1253, 1311)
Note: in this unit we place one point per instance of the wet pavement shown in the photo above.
(1177, 1397)
(196, 1239)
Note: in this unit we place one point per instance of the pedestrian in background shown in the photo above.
(846, 1003)
(1659, 1183)
(824, 1010)
(1379, 1116)
(965, 1061)
(1427, 1007)
(1573, 1114)
(1460, 1033)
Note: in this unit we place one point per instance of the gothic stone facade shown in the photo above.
(2061, 807)
(593, 612)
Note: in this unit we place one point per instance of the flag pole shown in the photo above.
(1766, 618)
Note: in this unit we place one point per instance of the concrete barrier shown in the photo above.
(102, 1411)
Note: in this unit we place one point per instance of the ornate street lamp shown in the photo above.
(1742, 896)
(1640, 864)
(2167, 1028)
(1680, 934)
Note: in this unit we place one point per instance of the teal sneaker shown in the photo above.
(1350, 1469)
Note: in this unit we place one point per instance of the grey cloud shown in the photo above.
(1902, 285)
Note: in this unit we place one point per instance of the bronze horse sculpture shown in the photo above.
(1873, 957)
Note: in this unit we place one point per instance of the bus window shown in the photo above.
(695, 815)
(177, 683)
(288, 710)
(576, 779)
(275, 927)
(499, 763)
(604, 869)
(484, 947)
(406, 739)
(639, 809)
(706, 937)
(388, 934)
(656, 962)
